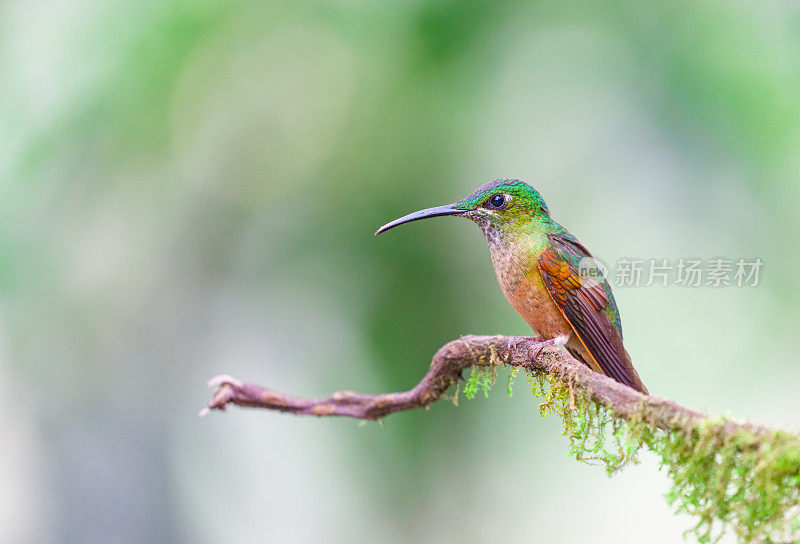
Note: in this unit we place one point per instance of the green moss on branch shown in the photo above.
(724, 474)
(729, 475)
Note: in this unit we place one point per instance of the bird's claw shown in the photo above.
(534, 352)
(514, 341)
(558, 341)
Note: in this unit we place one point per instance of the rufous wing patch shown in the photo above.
(582, 301)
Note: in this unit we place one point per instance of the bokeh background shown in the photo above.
(190, 188)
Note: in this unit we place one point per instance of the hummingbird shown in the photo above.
(546, 274)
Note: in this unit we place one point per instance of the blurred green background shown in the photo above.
(190, 188)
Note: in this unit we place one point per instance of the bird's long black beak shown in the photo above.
(449, 209)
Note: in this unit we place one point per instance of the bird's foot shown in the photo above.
(558, 341)
(513, 341)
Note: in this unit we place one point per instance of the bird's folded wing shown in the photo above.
(588, 305)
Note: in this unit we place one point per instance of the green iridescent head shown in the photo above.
(498, 206)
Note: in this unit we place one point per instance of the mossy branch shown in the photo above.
(731, 475)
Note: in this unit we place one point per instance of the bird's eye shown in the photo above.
(498, 201)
